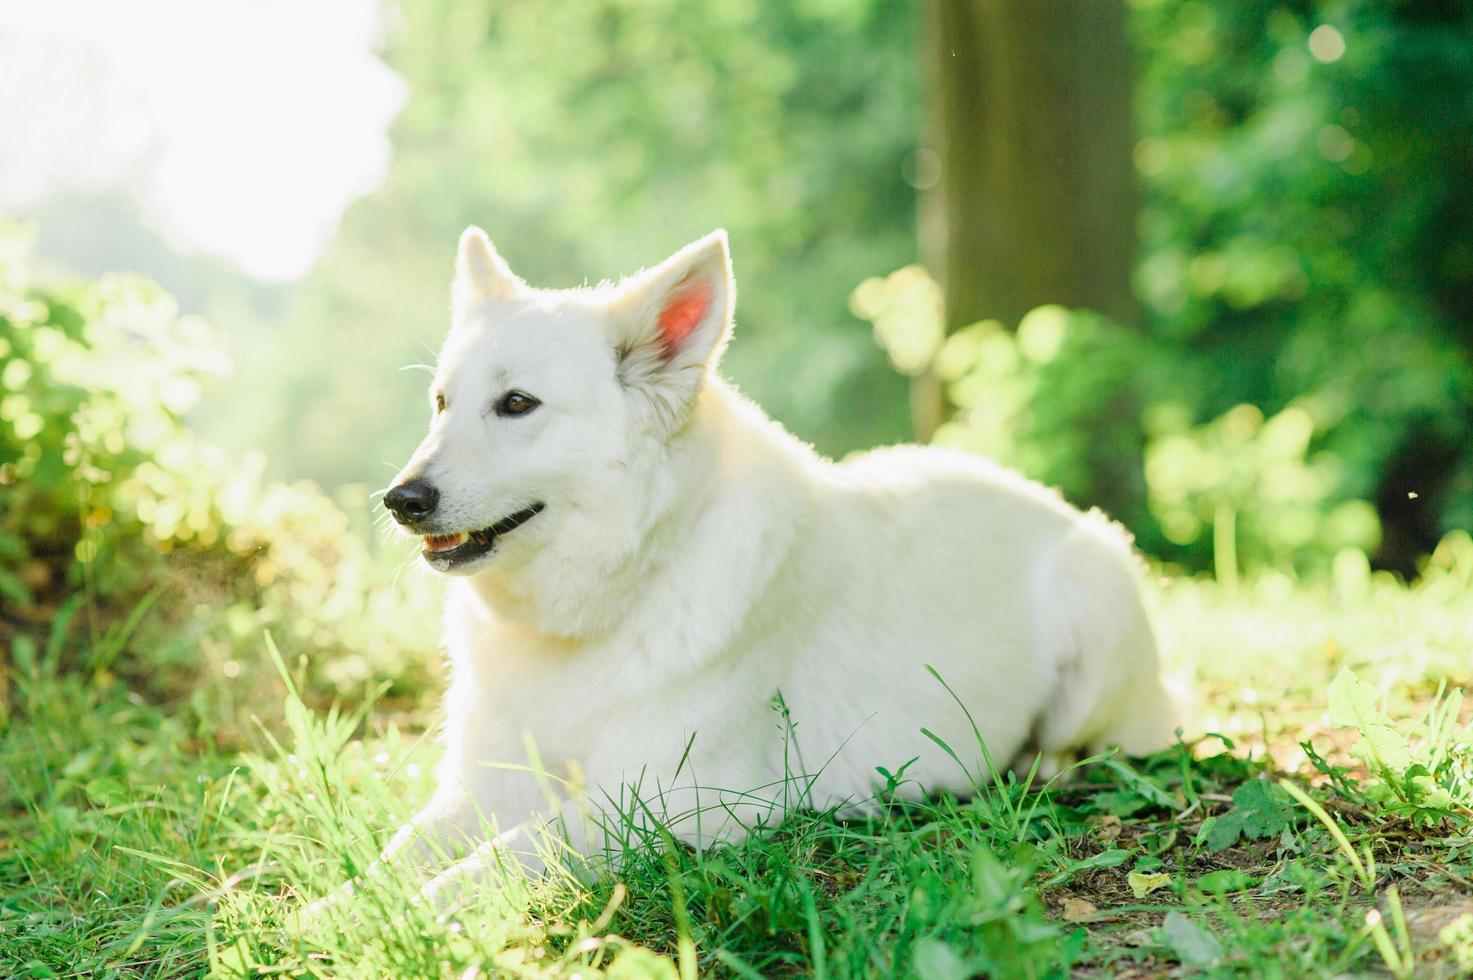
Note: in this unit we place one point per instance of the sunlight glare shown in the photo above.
(240, 128)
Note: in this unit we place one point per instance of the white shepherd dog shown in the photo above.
(660, 592)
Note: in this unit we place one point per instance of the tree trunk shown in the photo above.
(1034, 201)
(1030, 119)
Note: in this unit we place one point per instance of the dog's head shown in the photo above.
(547, 403)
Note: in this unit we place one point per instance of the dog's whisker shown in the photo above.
(399, 572)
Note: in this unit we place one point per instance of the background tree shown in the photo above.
(1029, 131)
(1030, 121)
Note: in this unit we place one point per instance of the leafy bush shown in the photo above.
(1046, 398)
(114, 516)
(1059, 398)
(1307, 240)
(1308, 233)
(1254, 483)
(95, 380)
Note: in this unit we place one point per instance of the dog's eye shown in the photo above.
(516, 403)
(439, 403)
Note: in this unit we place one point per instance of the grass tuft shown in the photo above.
(1323, 829)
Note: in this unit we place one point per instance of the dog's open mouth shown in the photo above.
(463, 545)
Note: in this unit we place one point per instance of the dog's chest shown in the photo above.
(611, 715)
(569, 700)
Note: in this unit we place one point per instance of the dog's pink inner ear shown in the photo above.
(685, 307)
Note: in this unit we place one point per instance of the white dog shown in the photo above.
(661, 593)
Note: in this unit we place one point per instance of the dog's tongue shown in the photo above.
(444, 542)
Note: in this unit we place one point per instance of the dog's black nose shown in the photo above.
(412, 501)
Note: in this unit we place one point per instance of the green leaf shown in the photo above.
(1354, 704)
(1112, 858)
(1120, 802)
(1292, 877)
(1222, 832)
(638, 963)
(935, 960)
(1384, 747)
(23, 654)
(1260, 809)
(14, 590)
(1266, 809)
(1142, 884)
(1142, 785)
(1191, 943)
(1225, 881)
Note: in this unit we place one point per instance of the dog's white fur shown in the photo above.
(712, 613)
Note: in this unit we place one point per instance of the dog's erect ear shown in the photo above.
(480, 273)
(671, 322)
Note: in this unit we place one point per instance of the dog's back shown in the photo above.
(927, 586)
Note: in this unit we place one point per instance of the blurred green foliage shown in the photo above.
(1308, 232)
(590, 143)
(128, 547)
(1307, 248)
(1054, 398)
(1046, 397)
(95, 382)
(1305, 360)
(1307, 244)
(1268, 502)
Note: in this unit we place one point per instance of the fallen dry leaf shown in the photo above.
(1108, 828)
(1076, 909)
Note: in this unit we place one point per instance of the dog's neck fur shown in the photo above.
(718, 472)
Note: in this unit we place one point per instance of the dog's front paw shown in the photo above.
(332, 899)
(457, 886)
(448, 892)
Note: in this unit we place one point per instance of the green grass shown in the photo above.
(133, 844)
